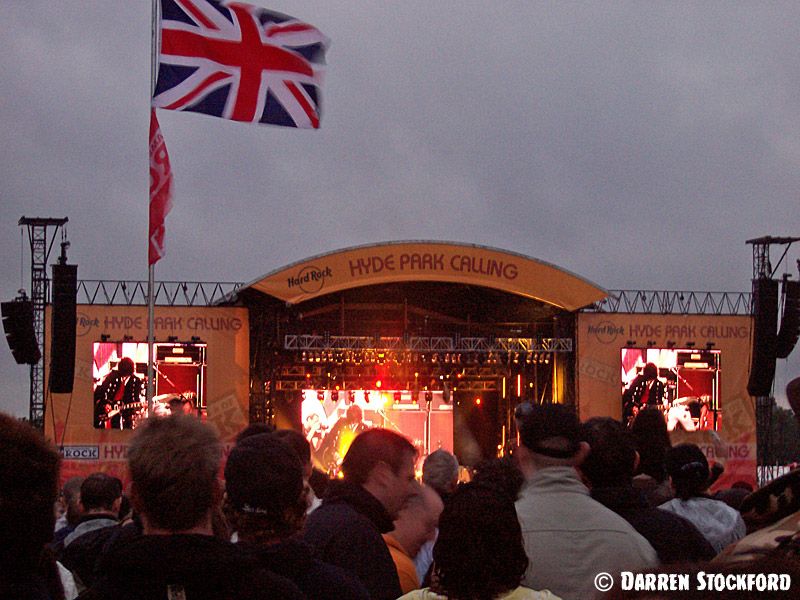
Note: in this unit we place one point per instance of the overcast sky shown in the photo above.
(637, 144)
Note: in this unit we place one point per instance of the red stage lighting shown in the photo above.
(378, 384)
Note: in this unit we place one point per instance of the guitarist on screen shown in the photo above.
(119, 397)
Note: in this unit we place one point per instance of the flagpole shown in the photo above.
(151, 267)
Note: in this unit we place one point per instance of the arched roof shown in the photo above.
(434, 261)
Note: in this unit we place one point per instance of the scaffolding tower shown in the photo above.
(41, 236)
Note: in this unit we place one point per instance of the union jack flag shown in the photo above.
(239, 62)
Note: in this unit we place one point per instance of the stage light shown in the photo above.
(710, 345)
(378, 384)
(104, 337)
(195, 339)
(335, 395)
(651, 343)
(671, 344)
(630, 343)
(172, 338)
(477, 401)
(127, 338)
(690, 344)
(321, 396)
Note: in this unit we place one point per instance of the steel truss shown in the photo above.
(167, 293)
(343, 343)
(674, 302)
(41, 243)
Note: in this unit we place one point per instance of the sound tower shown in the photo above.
(18, 325)
(790, 321)
(765, 326)
(62, 346)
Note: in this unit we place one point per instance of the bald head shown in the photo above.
(417, 521)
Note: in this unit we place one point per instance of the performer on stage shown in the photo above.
(119, 397)
(645, 390)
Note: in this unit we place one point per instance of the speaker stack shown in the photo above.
(18, 326)
(62, 346)
(790, 321)
(765, 337)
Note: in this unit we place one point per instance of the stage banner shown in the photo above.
(202, 360)
(701, 365)
(429, 261)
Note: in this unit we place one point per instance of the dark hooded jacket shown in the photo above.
(200, 567)
(294, 560)
(673, 538)
(346, 531)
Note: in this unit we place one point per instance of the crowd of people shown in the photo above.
(574, 500)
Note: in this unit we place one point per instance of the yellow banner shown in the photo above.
(601, 339)
(430, 261)
(69, 418)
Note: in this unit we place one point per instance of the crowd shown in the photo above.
(573, 500)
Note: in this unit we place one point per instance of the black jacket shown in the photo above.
(674, 538)
(319, 580)
(83, 552)
(200, 566)
(346, 531)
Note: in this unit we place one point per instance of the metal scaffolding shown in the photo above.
(41, 243)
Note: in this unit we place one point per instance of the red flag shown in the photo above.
(160, 189)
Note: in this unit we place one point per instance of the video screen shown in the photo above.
(119, 371)
(684, 384)
(332, 419)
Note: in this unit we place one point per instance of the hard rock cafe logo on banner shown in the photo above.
(606, 332)
(310, 279)
(85, 324)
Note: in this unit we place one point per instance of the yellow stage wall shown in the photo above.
(68, 417)
(600, 339)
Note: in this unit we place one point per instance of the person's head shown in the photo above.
(382, 462)
(173, 463)
(264, 490)
(479, 552)
(612, 459)
(298, 442)
(440, 471)
(101, 493)
(354, 414)
(126, 367)
(71, 496)
(417, 520)
(650, 371)
(688, 469)
(551, 436)
(650, 434)
(501, 474)
(254, 429)
(29, 468)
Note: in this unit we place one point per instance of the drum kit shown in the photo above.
(161, 408)
(690, 411)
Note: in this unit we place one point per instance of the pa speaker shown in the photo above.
(62, 340)
(765, 326)
(18, 325)
(790, 322)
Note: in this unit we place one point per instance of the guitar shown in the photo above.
(118, 408)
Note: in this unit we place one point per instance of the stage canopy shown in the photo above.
(428, 261)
